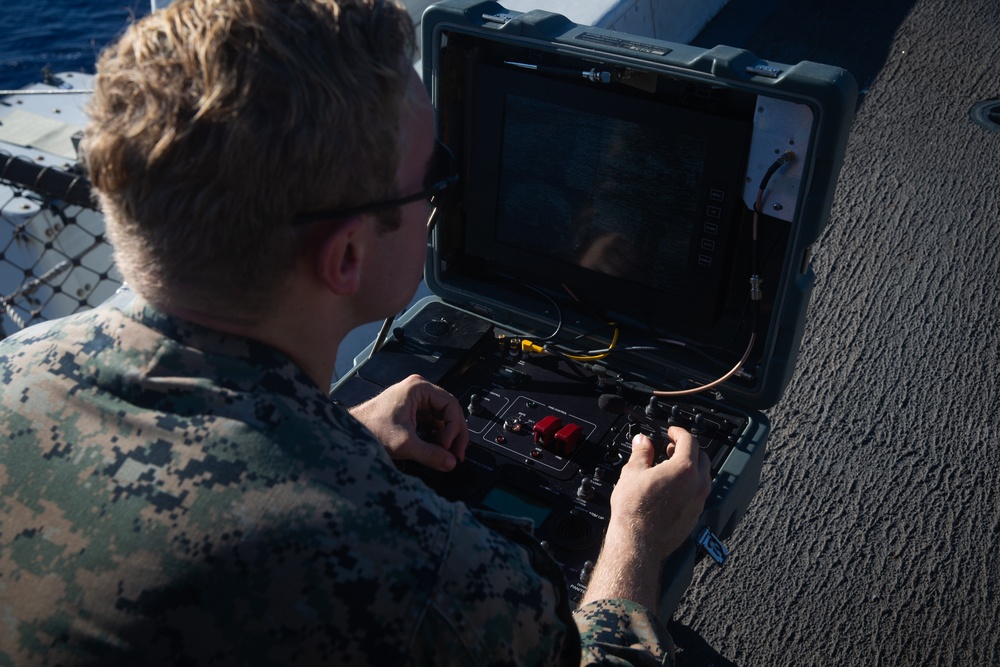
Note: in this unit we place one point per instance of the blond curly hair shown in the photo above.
(214, 122)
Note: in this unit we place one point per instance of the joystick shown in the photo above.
(698, 426)
(475, 406)
(676, 416)
(654, 410)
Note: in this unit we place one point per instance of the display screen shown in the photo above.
(508, 500)
(616, 196)
(623, 201)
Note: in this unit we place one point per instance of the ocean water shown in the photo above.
(65, 35)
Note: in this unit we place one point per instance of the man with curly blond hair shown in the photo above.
(175, 485)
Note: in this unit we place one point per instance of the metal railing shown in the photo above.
(54, 257)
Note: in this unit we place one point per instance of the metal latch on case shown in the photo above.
(499, 17)
(713, 546)
(764, 70)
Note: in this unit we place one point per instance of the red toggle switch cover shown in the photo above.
(567, 437)
(545, 430)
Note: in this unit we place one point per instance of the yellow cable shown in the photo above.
(528, 346)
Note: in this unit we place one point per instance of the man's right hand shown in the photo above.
(664, 501)
(654, 508)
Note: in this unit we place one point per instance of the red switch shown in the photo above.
(545, 430)
(567, 437)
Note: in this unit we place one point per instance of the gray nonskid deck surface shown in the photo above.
(873, 538)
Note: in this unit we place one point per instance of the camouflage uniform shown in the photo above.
(174, 495)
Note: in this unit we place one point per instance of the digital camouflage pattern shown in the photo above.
(173, 495)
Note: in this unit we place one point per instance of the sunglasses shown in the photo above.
(442, 173)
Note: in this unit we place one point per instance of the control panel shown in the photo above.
(548, 437)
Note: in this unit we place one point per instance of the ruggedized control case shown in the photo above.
(628, 248)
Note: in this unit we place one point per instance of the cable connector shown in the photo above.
(528, 346)
(784, 158)
(756, 293)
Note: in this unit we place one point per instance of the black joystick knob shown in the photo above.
(654, 409)
(586, 490)
(586, 571)
(698, 425)
(676, 416)
(475, 404)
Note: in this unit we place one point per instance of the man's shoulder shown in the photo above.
(46, 330)
(76, 328)
(72, 346)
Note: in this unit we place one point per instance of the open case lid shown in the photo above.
(608, 187)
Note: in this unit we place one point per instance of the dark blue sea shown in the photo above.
(66, 35)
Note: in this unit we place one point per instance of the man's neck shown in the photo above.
(298, 331)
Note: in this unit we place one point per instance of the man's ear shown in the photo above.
(341, 257)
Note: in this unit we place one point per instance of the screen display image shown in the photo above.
(614, 196)
(623, 202)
